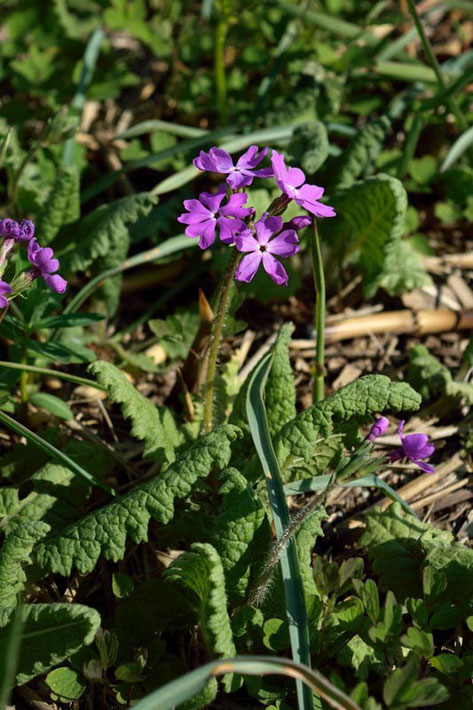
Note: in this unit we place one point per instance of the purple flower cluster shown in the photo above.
(42, 260)
(415, 447)
(263, 240)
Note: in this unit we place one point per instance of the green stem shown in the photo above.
(24, 377)
(319, 282)
(219, 69)
(215, 340)
(450, 100)
(52, 373)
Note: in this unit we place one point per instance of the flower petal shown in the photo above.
(3, 302)
(306, 198)
(248, 266)
(426, 467)
(275, 269)
(295, 177)
(193, 217)
(237, 179)
(56, 282)
(251, 158)
(279, 168)
(229, 228)
(215, 161)
(51, 266)
(212, 201)
(417, 446)
(205, 231)
(195, 206)
(298, 223)
(263, 173)
(284, 244)
(245, 241)
(266, 226)
(5, 288)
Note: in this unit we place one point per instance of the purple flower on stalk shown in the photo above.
(260, 248)
(378, 428)
(292, 183)
(207, 213)
(239, 175)
(5, 289)
(26, 231)
(9, 228)
(415, 447)
(44, 264)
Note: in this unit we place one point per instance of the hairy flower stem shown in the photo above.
(319, 282)
(215, 340)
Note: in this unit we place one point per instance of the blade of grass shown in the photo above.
(184, 688)
(89, 61)
(293, 590)
(55, 453)
(9, 659)
(451, 101)
(170, 246)
(175, 129)
(347, 30)
(52, 373)
(319, 483)
(410, 145)
(458, 148)
(4, 145)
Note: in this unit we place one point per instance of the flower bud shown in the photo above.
(378, 428)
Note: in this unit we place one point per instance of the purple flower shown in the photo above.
(292, 182)
(239, 175)
(261, 248)
(44, 264)
(415, 447)
(4, 290)
(298, 223)
(378, 428)
(9, 228)
(26, 231)
(207, 213)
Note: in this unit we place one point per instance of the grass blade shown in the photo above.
(91, 55)
(8, 660)
(52, 373)
(319, 483)
(175, 129)
(184, 688)
(458, 148)
(293, 590)
(53, 451)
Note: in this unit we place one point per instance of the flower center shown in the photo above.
(262, 247)
(291, 191)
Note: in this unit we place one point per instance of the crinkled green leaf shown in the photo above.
(403, 269)
(360, 156)
(201, 571)
(399, 545)
(371, 217)
(306, 536)
(105, 230)
(242, 534)
(51, 633)
(317, 434)
(280, 399)
(428, 375)
(105, 531)
(309, 146)
(14, 555)
(62, 206)
(153, 425)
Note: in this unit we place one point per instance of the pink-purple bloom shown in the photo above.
(261, 248)
(10, 229)
(218, 160)
(415, 447)
(292, 183)
(207, 213)
(45, 265)
(378, 428)
(5, 289)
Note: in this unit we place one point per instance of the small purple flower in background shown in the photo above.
(378, 428)
(44, 264)
(207, 213)
(26, 231)
(239, 175)
(9, 228)
(292, 182)
(415, 447)
(261, 248)
(5, 289)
